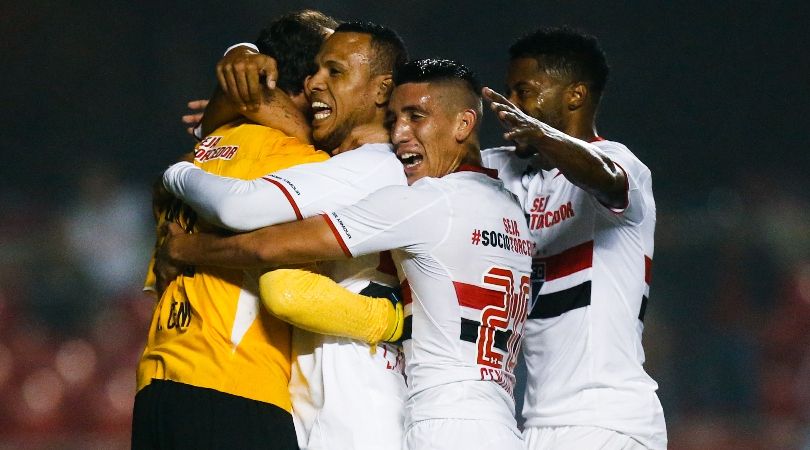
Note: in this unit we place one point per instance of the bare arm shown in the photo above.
(219, 111)
(290, 243)
(582, 163)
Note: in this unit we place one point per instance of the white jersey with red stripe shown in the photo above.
(591, 274)
(343, 394)
(464, 248)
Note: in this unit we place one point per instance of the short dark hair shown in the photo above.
(431, 69)
(566, 53)
(294, 40)
(442, 70)
(389, 49)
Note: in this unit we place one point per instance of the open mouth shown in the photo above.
(410, 160)
(321, 110)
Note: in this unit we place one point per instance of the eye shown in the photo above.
(333, 72)
(416, 117)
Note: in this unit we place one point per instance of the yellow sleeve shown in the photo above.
(316, 303)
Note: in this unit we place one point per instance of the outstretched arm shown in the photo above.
(582, 163)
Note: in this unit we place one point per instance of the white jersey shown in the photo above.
(339, 387)
(591, 274)
(464, 248)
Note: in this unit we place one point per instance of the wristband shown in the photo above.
(242, 44)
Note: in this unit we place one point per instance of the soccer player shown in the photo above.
(591, 214)
(345, 394)
(216, 366)
(461, 242)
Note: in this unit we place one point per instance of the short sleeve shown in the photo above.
(638, 181)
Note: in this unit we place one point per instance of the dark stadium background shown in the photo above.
(712, 96)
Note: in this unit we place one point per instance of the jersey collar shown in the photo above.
(492, 173)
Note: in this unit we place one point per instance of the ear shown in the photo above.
(576, 96)
(465, 124)
(385, 85)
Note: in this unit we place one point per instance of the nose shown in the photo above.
(314, 82)
(400, 132)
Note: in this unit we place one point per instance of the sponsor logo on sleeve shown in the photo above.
(342, 226)
(289, 184)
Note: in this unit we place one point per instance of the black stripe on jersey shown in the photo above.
(407, 328)
(469, 333)
(394, 294)
(643, 308)
(559, 303)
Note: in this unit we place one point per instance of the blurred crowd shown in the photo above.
(726, 329)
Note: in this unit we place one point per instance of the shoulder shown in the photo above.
(371, 162)
(497, 157)
(622, 155)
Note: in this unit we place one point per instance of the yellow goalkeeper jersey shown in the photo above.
(208, 328)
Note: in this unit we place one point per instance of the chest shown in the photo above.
(558, 213)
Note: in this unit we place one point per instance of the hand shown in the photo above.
(193, 120)
(525, 131)
(239, 73)
(165, 268)
(363, 134)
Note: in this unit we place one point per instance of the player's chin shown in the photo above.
(413, 176)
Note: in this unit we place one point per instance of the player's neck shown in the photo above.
(582, 129)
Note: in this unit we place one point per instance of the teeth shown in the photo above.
(321, 110)
(410, 159)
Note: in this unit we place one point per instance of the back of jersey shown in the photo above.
(208, 329)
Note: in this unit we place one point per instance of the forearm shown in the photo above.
(279, 112)
(316, 303)
(584, 165)
(220, 111)
(237, 205)
(290, 243)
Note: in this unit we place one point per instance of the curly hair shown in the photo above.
(566, 54)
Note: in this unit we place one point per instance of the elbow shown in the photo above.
(277, 293)
(230, 214)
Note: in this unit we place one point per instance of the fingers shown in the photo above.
(173, 229)
(516, 133)
(254, 89)
(268, 68)
(192, 119)
(198, 105)
(492, 96)
(241, 77)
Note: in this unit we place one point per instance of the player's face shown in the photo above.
(341, 92)
(535, 92)
(422, 130)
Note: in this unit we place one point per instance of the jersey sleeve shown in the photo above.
(496, 158)
(396, 217)
(238, 205)
(286, 195)
(638, 181)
